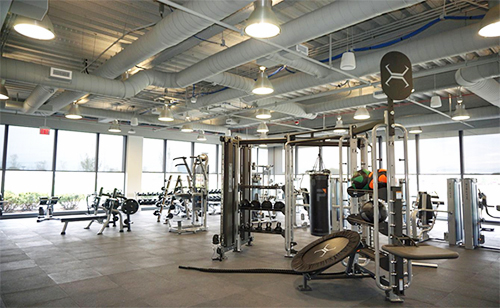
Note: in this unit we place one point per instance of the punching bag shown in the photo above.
(319, 211)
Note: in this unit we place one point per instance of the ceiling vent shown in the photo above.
(303, 49)
(61, 74)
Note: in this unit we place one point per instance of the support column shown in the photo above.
(133, 166)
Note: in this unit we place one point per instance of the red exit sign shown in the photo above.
(44, 131)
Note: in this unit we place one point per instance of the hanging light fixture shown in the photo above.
(201, 136)
(263, 114)
(362, 113)
(134, 121)
(4, 94)
(348, 61)
(262, 23)
(263, 136)
(460, 113)
(262, 128)
(415, 130)
(490, 24)
(262, 84)
(74, 112)
(436, 101)
(115, 127)
(166, 115)
(187, 128)
(36, 29)
(340, 128)
(131, 131)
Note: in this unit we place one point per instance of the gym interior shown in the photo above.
(283, 153)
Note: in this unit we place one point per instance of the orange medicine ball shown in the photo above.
(382, 178)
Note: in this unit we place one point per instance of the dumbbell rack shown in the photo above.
(253, 229)
(214, 199)
(147, 198)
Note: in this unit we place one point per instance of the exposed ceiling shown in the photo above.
(89, 33)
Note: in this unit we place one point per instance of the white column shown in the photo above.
(133, 174)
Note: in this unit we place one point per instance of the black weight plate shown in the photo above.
(267, 205)
(130, 206)
(279, 206)
(255, 204)
(245, 203)
(326, 251)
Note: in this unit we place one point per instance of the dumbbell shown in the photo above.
(156, 213)
(268, 226)
(267, 205)
(278, 228)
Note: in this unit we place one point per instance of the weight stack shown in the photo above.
(319, 210)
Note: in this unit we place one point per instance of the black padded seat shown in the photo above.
(326, 252)
(423, 252)
(82, 218)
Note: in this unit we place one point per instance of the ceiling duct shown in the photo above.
(479, 80)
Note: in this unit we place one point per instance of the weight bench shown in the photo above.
(423, 252)
(101, 217)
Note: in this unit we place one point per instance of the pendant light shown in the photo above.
(262, 85)
(187, 128)
(74, 112)
(340, 128)
(262, 23)
(262, 128)
(201, 136)
(263, 114)
(348, 60)
(415, 130)
(460, 114)
(134, 121)
(115, 127)
(490, 24)
(263, 136)
(36, 29)
(435, 99)
(4, 94)
(166, 115)
(362, 113)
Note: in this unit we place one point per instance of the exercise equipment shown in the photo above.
(320, 216)
(361, 179)
(47, 212)
(367, 211)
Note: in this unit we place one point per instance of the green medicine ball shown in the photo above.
(360, 179)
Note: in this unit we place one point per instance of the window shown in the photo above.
(211, 151)
(111, 180)
(76, 151)
(111, 153)
(153, 181)
(72, 189)
(2, 134)
(263, 156)
(306, 158)
(439, 156)
(23, 143)
(481, 154)
(152, 155)
(177, 149)
(24, 188)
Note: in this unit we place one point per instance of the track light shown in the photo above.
(262, 128)
(74, 112)
(262, 84)
(187, 128)
(263, 114)
(166, 115)
(36, 29)
(362, 113)
(460, 113)
(436, 101)
(340, 128)
(4, 94)
(134, 121)
(201, 136)
(348, 61)
(131, 131)
(415, 130)
(490, 24)
(262, 23)
(115, 127)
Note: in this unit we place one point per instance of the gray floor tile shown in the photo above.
(74, 275)
(25, 283)
(33, 297)
(92, 285)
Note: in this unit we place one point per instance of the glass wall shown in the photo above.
(177, 149)
(211, 151)
(32, 173)
(153, 173)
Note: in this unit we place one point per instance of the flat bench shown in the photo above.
(423, 252)
(91, 218)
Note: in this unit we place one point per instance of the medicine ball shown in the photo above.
(360, 179)
(382, 178)
(367, 211)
